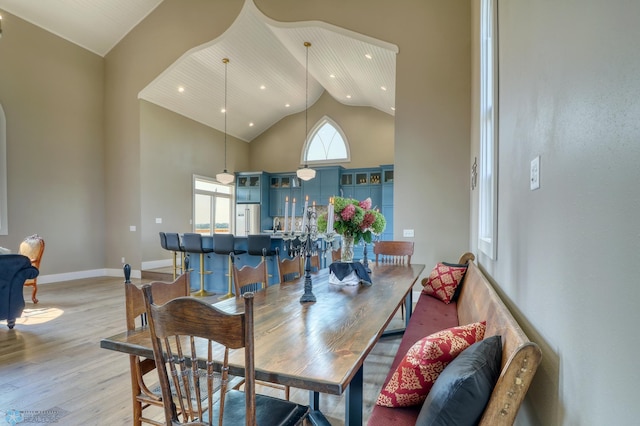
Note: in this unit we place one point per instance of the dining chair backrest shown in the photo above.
(315, 262)
(190, 339)
(143, 387)
(290, 268)
(397, 252)
(336, 255)
(175, 328)
(162, 291)
(248, 278)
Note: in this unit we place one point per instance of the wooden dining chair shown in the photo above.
(144, 385)
(290, 268)
(248, 278)
(336, 255)
(396, 252)
(187, 334)
(32, 247)
(315, 262)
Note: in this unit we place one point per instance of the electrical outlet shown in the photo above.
(407, 233)
(158, 220)
(132, 228)
(534, 175)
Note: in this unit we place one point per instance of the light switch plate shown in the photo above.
(132, 228)
(407, 233)
(534, 175)
(158, 220)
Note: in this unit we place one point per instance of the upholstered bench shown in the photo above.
(477, 302)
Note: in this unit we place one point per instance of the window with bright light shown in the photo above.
(211, 206)
(326, 144)
(4, 222)
(488, 180)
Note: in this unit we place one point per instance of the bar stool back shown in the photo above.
(171, 241)
(260, 245)
(225, 244)
(193, 244)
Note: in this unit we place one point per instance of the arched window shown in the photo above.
(4, 226)
(326, 143)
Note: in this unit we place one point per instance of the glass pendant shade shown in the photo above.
(225, 177)
(306, 173)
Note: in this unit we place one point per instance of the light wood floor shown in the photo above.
(52, 366)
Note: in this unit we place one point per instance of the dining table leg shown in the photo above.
(353, 404)
(316, 418)
(314, 400)
(408, 308)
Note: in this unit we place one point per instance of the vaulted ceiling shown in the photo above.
(266, 73)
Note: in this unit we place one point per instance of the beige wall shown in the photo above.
(145, 52)
(567, 253)
(369, 133)
(52, 95)
(172, 149)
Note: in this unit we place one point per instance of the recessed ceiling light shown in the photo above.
(383, 88)
(368, 56)
(222, 110)
(332, 75)
(393, 108)
(250, 124)
(263, 87)
(348, 96)
(287, 105)
(181, 89)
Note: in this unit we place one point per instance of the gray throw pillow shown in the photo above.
(461, 392)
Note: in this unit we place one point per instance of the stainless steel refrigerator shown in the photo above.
(247, 219)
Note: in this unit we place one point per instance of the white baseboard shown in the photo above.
(154, 264)
(68, 276)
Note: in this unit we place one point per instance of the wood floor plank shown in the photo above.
(52, 360)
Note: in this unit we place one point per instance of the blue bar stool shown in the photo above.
(193, 244)
(171, 241)
(260, 245)
(225, 244)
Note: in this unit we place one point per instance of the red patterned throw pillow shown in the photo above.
(444, 280)
(423, 363)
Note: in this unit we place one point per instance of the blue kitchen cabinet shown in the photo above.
(250, 188)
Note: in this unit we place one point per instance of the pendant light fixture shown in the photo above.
(225, 177)
(306, 173)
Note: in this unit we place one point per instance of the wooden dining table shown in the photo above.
(319, 346)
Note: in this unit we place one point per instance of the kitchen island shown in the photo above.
(217, 281)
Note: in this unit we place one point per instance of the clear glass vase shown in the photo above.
(347, 248)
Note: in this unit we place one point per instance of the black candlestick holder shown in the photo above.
(308, 239)
(365, 260)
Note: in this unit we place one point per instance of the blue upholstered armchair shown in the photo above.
(14, 270)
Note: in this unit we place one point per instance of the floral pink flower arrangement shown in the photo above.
(354, 218)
